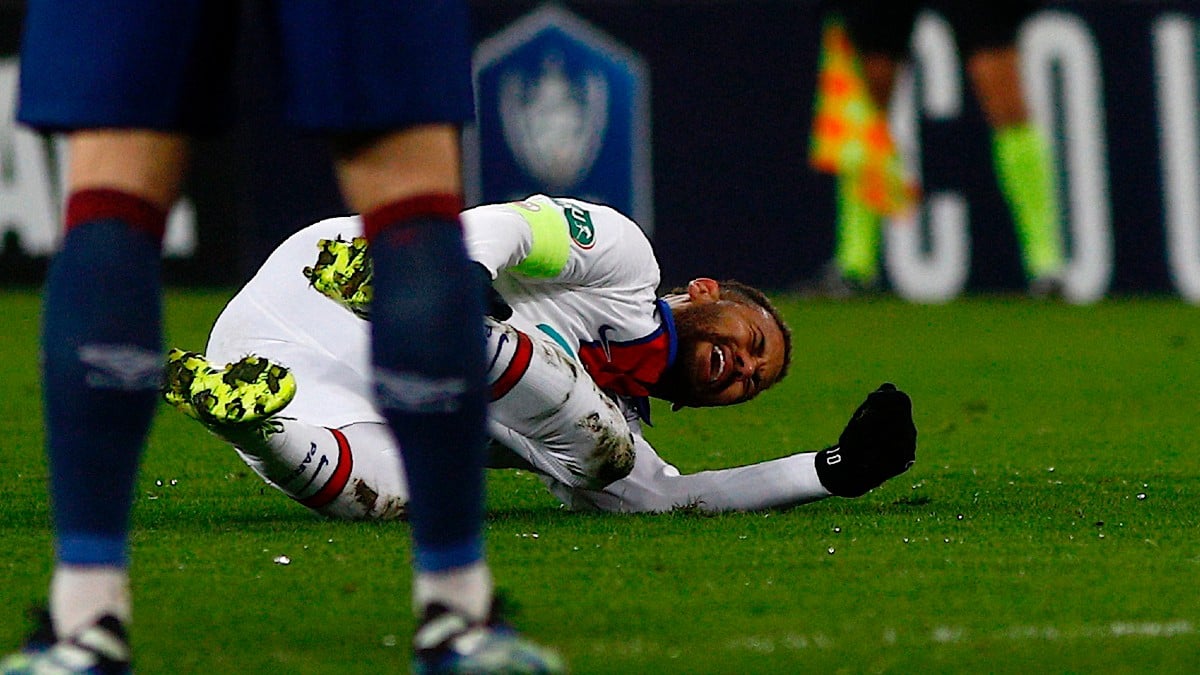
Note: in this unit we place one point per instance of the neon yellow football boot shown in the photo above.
(242, 394)
(343, 273)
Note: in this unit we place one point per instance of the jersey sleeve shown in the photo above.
(655, 486)
(560, 240)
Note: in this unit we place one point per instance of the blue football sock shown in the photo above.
(427, 342)
(101, 341)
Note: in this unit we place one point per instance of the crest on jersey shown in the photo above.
(579, 224)
(562, 109)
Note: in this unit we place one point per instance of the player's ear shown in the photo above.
(703, 290)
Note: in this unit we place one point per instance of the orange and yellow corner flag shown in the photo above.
(850, 134)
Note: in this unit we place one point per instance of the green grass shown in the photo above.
(1017, 544)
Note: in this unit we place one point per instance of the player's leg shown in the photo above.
(102, 318)
(879, 33)
(548, 410)
(101, 341)
(351, 473)
(1020, 153)
(1024, 166)
(410, 65)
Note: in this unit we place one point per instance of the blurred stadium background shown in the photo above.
(694, 116)
(1049, 526)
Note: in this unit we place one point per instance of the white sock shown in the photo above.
(80, 594)
(467, 589)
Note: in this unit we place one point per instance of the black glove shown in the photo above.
(879, 442)
(493, 303)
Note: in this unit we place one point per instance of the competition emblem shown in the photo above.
(562, 109)
(579, 223)
(554, 126)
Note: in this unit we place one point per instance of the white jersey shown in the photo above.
(584, 274)
(580, 273)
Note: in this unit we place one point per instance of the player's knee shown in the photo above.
(613, 451)
(616, 454)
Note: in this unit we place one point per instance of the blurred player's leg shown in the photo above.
(395, 98)
(428, 356)
(879, 33)
(987, 34)
(857, 240)
(101, 340)
(427, 348)
(1024, 167)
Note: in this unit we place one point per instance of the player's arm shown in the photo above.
(878, 443)
(527, 238)
(654, 486)
(560, 239)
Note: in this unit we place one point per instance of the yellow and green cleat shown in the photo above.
(343, 273)
(241, 394)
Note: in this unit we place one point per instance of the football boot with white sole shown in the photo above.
(448, 642)
(101, 648)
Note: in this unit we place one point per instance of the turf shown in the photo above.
(1050, 524)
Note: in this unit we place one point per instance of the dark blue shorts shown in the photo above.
(884, 27)
(344, 65)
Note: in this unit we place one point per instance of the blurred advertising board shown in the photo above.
(694, 118)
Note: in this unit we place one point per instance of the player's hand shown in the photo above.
(493, 303)
(879, 442)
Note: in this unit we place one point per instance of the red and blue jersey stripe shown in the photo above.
(631, 367)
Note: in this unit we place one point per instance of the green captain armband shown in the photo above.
(551, 239)
(343, 273)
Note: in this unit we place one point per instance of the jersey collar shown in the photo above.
(641, 404)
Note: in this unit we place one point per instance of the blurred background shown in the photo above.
(694, 117)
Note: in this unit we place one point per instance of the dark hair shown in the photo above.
(746, 294)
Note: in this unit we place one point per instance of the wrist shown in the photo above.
(837, 475)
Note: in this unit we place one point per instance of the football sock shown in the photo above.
(467, 589)
(427, 351)
(1024, 171)
(857, 232)
(101, 341)
(81, 594)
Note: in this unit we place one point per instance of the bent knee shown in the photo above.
(613, 451)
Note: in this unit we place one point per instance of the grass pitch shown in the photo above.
(1050, 524)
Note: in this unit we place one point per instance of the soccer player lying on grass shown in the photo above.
(577, 342)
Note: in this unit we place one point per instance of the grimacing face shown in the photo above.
(728, 353)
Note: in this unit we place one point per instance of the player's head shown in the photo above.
(732, 344)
